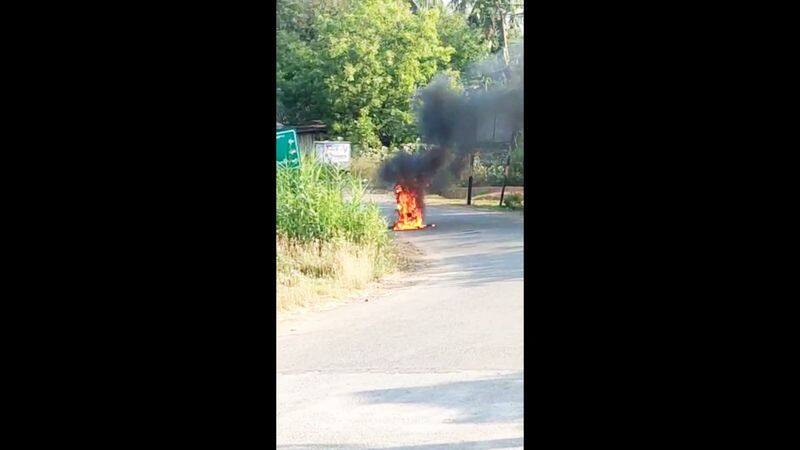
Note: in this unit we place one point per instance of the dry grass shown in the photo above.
(459, 192)
(311, 275)
(366, 168)
(439, 200)
(479, 202)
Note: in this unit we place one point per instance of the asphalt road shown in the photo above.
(436, 363)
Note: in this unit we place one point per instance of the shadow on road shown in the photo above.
(472, 248)
(491, 400)
(478, 269)
(468, 445)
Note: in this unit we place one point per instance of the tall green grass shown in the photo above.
(329, 241)
(317, 202)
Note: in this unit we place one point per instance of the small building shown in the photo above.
(307, 133)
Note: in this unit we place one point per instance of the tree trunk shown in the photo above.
(504, 37)
(504, 44)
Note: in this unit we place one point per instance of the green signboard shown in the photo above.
(287, 149)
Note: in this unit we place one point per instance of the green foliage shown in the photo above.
(299, 16)
(468, 43)
(357, 64)
(363, 131)
(376, 153)
(377, 55)
(489, 169)
(488, 16)
(485, 173)
(318, 203)
(513, 201)
(298, 82)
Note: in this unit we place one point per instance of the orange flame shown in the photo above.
(409, 210)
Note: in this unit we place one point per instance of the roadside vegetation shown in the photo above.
(330, 241)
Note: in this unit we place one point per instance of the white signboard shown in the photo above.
(336, 153)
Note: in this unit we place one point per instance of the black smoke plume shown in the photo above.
(414, 170)
(456, 124)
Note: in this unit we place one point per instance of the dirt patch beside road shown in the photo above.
(480, 191)
(307, 294)
(484, 203)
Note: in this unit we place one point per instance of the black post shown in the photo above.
(469, 185)
(505, 178)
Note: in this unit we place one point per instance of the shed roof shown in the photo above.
(314, 126)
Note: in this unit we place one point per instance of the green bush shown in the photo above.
(489, 170)
(318, 203)
(513, 201)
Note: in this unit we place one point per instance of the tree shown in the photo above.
(358, 69)
(357, 64)
(468, 43)
(499, 20)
